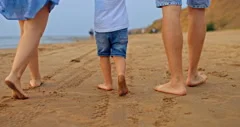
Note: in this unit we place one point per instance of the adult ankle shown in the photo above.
(36, 79)
(177, 80)
(108, 83)
(13, 77)
(192, 71)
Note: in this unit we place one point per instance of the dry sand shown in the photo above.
(69, 97)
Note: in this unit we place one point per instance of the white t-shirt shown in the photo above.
(110, 15)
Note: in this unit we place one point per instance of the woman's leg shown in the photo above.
(33, 30)
(34, 69)
(33, 63)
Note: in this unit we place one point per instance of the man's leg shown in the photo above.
(196, 36)
(173, 41)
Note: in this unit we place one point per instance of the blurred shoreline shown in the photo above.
(8, 42)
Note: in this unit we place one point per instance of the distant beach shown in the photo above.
(12, 41)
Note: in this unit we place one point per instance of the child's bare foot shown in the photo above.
(197, 80)
(122, 87)
(16, 87)
(35, 83)
(14, 95)
(169, 88)
(105, 87)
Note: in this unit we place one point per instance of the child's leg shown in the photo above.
(119, 48)
(106, 71)
(104, 50)
(120, 65)
(121, 68)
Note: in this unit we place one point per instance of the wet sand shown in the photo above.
(70, 98)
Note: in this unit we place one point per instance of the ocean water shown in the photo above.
(12, 42)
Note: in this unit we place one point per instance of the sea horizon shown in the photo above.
(7, 42)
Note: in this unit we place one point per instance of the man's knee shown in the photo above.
(196, 11)
(172, 11)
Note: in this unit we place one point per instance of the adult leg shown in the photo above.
(33, 30)
(173, 41)
(196, 36)
(34, 69)
(33, 63)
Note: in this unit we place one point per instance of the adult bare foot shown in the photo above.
(169, 88)
(35, 83)
(16, 87)
(196, 80)
(122, 87)
(105, 87)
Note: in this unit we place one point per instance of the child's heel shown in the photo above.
(122, 87)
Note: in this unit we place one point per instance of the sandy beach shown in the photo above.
(69, 97)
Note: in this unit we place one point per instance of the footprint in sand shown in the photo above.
(187, 113)
(219, 74)
(4, 106)
(236, 65)
(47, 77)
(199, 69)
(41, 49)
(75, 61)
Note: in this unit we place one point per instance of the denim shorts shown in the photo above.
(112, 43)
(191, 3)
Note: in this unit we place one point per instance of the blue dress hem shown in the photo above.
(27, 15)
